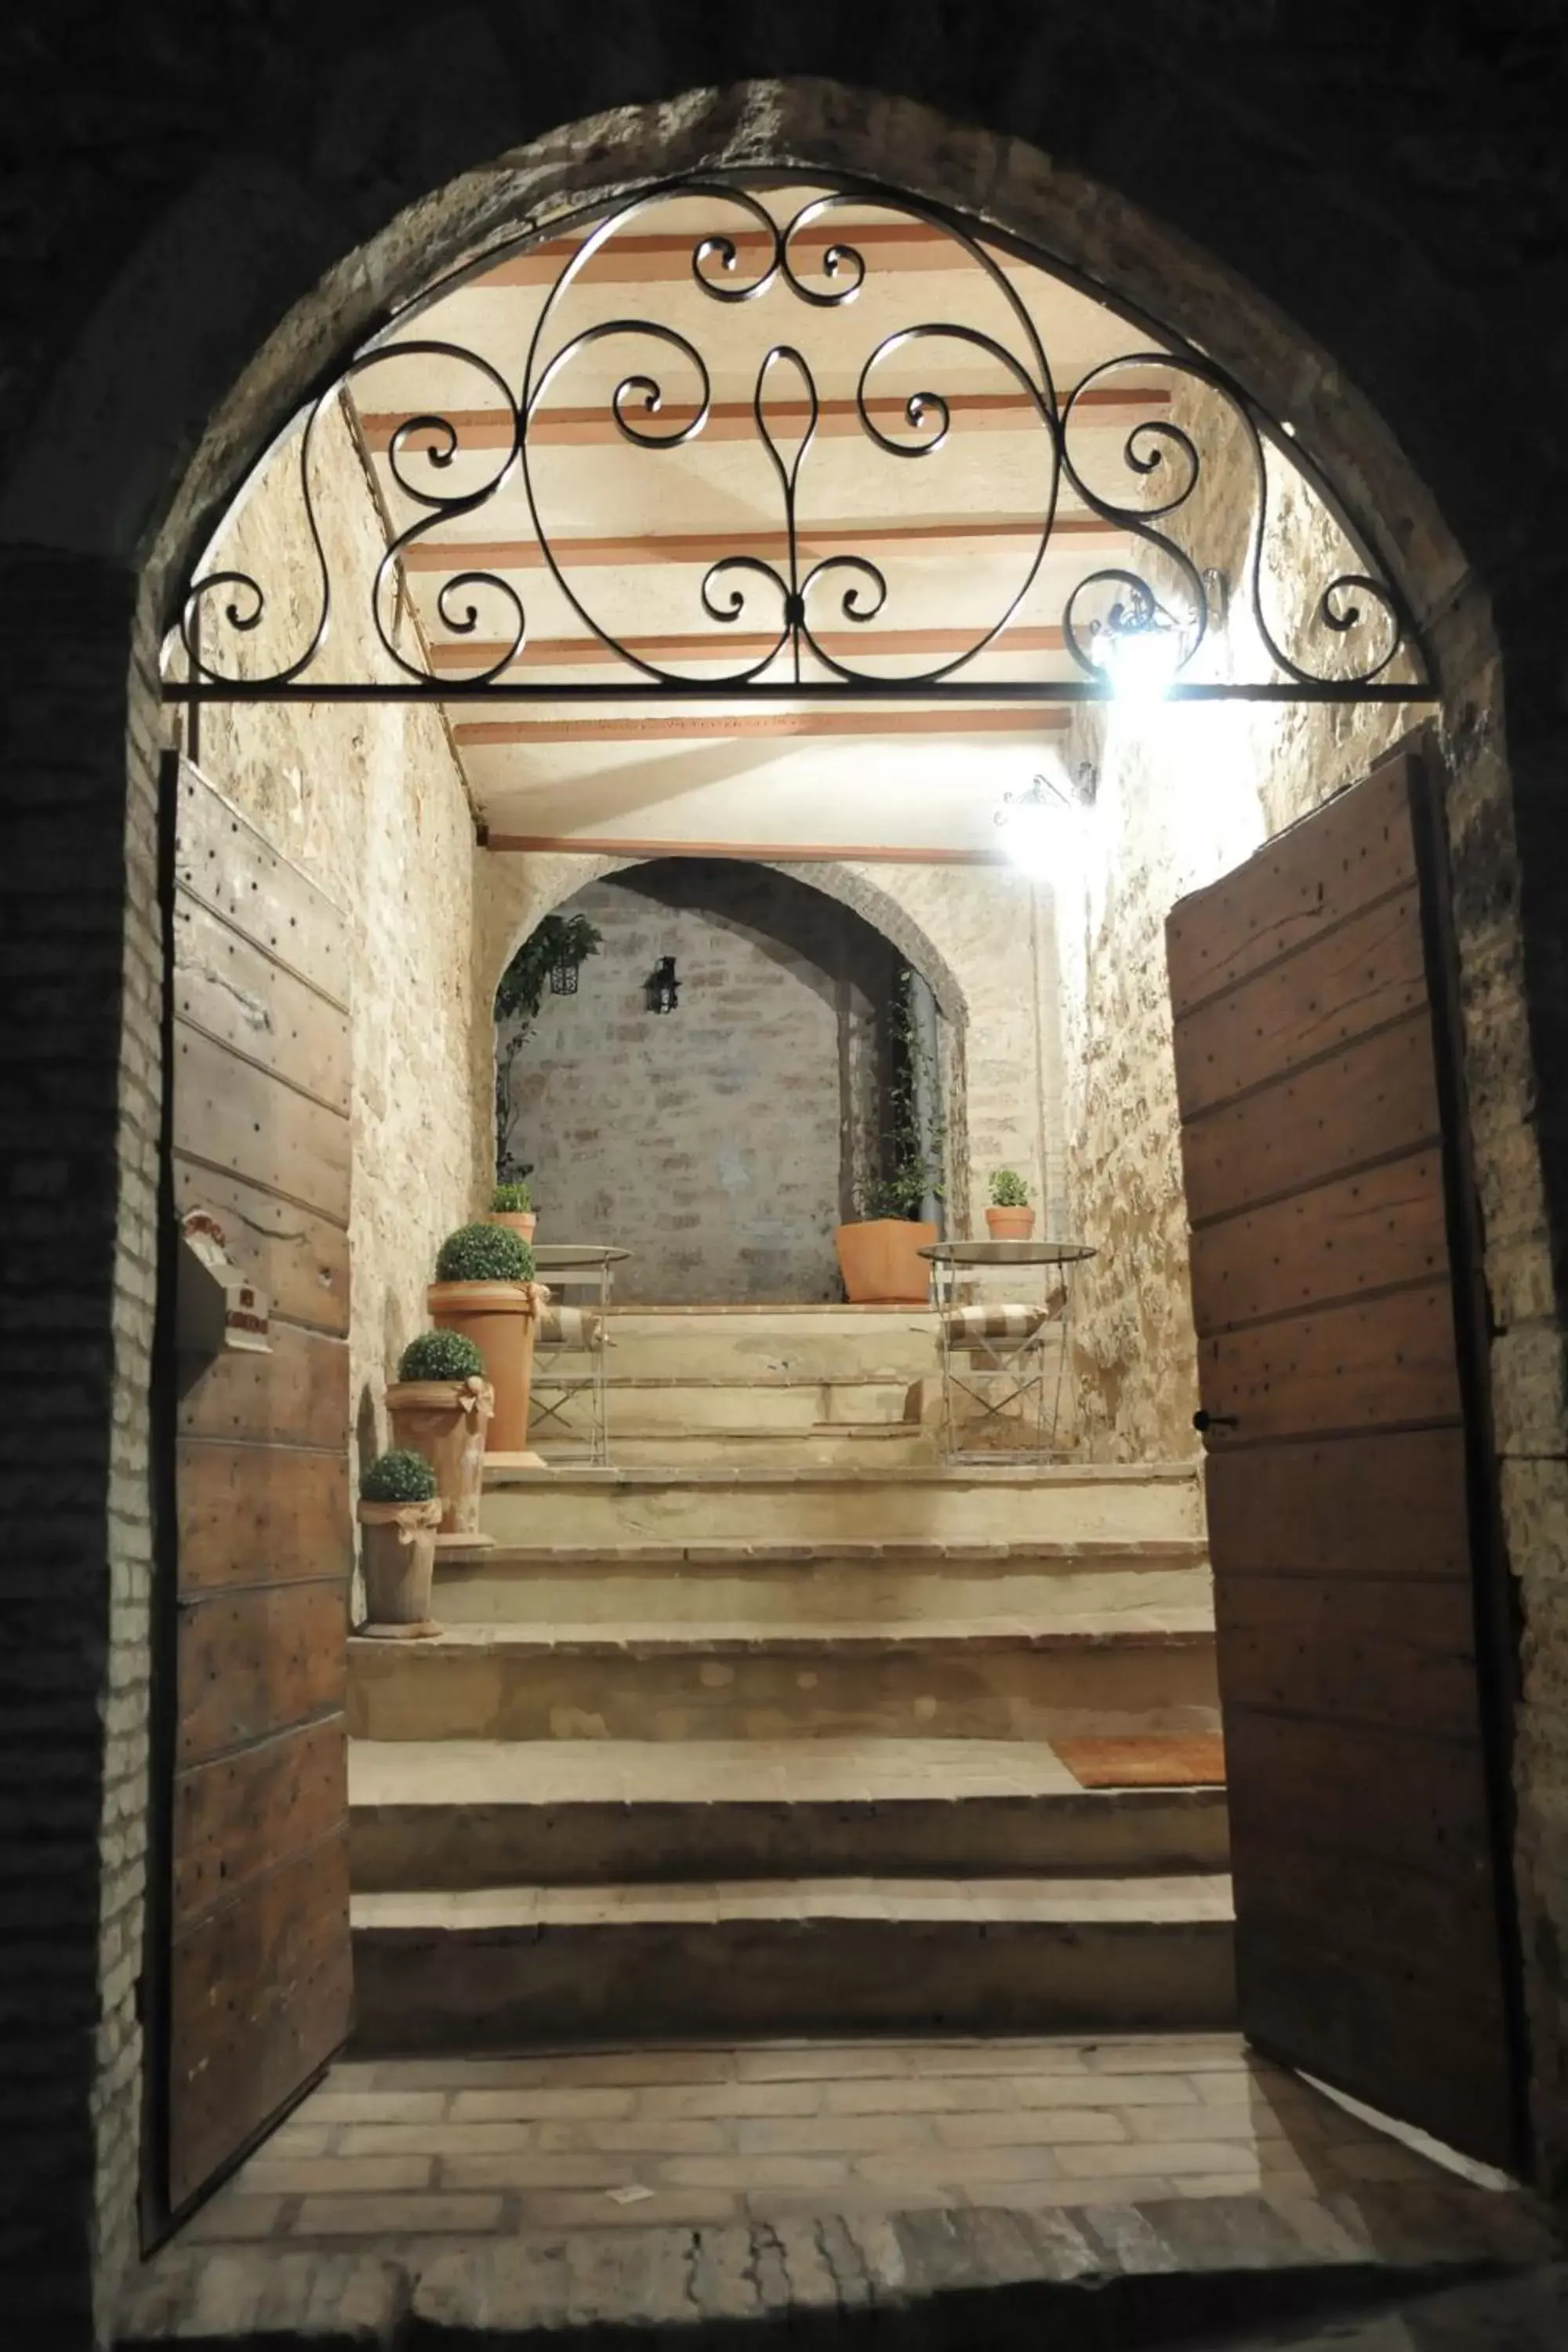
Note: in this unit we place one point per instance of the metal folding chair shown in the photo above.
(994, 1359)
(993, 1352)
(559, 1395)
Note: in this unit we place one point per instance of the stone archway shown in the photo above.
(525, 888)
(1456, 653)
(1009, 183)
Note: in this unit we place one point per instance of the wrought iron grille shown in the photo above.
(1356, 642)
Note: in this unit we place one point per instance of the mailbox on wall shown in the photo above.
(220, 1309)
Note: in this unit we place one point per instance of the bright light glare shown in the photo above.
(1141, 663)
(1032, 836)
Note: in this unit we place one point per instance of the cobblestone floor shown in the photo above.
(635, 2187)
(704, 2137)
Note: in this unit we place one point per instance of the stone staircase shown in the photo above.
(842, 1387)
(744, 1735)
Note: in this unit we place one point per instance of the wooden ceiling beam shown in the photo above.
(636, 257)
(770, 546)
(770, 853)
(958, 719)
(733, 420)
(467, 657)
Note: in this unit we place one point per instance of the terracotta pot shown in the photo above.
(399, 1560)
(446, 1421)
(501, 1318)
(1010, 1224)
(879, 1260)
(521, 1221)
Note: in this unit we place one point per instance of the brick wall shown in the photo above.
(722, 1143)
(1364, 213)
(72, 1431)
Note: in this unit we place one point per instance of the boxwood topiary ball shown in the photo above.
(398, 1477)
(441, 1356)
(485, 1253)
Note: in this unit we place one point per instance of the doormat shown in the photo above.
(1194, 1759)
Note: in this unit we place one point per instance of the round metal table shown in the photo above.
(595, 1259)
(1031, 1253)
(1017, 1358)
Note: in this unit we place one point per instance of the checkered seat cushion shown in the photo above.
(570, 1327)
(965, 1325)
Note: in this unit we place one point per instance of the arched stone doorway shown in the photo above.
(1012, 184)
(843, 936)
(723, 1149)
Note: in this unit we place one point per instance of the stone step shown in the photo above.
(870, 1503)
(826, 1445)
(893, 1344)
(782, 1584)
(505, 1968)
(1138, 1671)
(474, 1812)
(763, 1401)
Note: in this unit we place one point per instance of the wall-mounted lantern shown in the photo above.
(564, 976)
(662, 995)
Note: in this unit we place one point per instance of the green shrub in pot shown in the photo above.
(441, 1356)
(398, 1476)
(482, 1252)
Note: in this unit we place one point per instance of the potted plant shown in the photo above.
(879, 1254)
(512, 1204)
(1009, 1218)
(484, 1288)
(440, 1405)
(399, 1510)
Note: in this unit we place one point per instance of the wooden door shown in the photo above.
(259, 1982)
(1349, 1466)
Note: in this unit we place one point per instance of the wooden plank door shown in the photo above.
(1349, 1464)
(258, 1981)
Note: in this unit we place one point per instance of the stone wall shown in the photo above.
(988, 930)
(369, 801)
(1364, 216)
(1183, 792)
(722, 1143)
(981, 936)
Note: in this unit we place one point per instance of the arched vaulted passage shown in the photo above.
(1167, 567)
(89, 499)
(723, 1148)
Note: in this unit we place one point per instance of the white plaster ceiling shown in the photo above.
(636, 529)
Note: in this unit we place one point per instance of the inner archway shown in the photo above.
(721, 1146)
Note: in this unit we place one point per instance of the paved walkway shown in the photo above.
(726, 2183)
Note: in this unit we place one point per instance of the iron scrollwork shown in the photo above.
(1355, 627)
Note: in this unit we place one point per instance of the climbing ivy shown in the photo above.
(559, 939)
(911, 1164)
